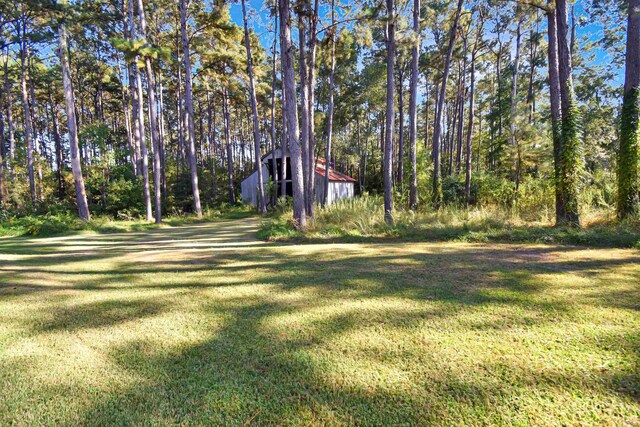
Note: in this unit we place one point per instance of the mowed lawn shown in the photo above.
(204, 324)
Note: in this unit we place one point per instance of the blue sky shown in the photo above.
(260, 21)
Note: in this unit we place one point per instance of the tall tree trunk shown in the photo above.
(10, 124)
(274, 165)
(413, 100)
(400, 169)
(34, 116)
(137, 132)
(227, 138)
(188, 95)
(283, 143)
(155, 132)
(28, 128)
(161, 129)
(211, 118)
(570, 151)
(437, 185)
(2, 152)
(262, 204)
(304, 107)
(533, 50)
(554, 101)
(137, 102)
(468, 158)
(299, 211)
(513, 108)
(128, 124)
(628, 185)
(389, 125)
(332, 88)
(462, 95)
(427, 97)
(59, 155)
(472, 94)
(311, 82)
(70, 107)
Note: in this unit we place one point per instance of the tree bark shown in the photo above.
(227, 137)
(70, 108)
(304, 107)
(554, 101)
(2, 153)
(58, 146)
(274, 165)
(155, 133)
(400, 168)
(10, 124)
(390, 113)
(332, 88)
(513, 110)
(188, 96)
(628, 178)
(437, 186)
(472, 94)
(28, 127)
(413, 100)
(262, 204)
(570, 150)
(459, 135)
(299, 211)
(311, 81)
(137, 100)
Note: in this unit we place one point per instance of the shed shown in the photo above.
(341, 186)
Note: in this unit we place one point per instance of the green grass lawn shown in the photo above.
(205, 324)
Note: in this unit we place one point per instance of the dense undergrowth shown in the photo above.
(363, 219)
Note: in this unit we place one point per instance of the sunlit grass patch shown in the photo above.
(204, 324)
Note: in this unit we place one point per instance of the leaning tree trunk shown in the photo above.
(389, 125)
(299, 211)
(262, 205)
(437, 129)
(570, 151)
(70, 108)
(188, 100)
(155, 132)
(628, 185)
(413, 99)
(332, 88)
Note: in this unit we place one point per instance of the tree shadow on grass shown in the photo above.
(307, 335)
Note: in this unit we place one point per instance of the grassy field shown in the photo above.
(205, 324)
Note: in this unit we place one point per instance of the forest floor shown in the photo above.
(206, 324)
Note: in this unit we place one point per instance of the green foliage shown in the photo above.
(628, 168)
(570, 166)
(362, 219)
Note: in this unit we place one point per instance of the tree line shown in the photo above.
(139, 108)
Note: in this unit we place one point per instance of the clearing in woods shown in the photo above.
(205, 324)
